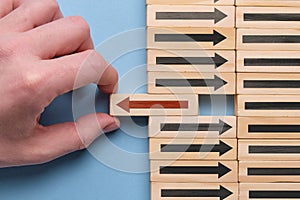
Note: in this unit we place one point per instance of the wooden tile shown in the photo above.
(292, 3)
(192, 149)
(187, 83)
(268, 83)
(268, 105)
(268, 39)
(191, 60)
(269, 150)
(144, 105)
(268, 17)
(191, 38)
(190, 16)
(191, 2)
(194, 191)
(192, 127)
(193, 171)
(268, 61)
(268, 127)
(269, 171)
(282, 191)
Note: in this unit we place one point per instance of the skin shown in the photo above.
(41, 53)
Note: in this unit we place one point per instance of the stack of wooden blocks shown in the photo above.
(195, 47)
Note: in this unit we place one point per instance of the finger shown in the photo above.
(57, 140)
(6, 6)
(74, 71)
(60, 37)
(29, 15)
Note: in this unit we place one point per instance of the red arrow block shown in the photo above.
(145, 105)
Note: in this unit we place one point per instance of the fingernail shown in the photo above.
(113, 126)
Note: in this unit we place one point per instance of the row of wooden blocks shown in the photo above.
(225, 191)
(222, 16)
(289, 3)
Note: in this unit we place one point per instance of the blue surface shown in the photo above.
(116, 165)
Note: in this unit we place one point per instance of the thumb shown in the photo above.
(57, 140)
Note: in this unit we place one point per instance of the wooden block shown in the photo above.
(268, 39)
(268, 127)
(268, 105)
(187, 83)
(190, 16)
(193, 171)
(192, 127)
(268, 61)
(192, 149)
(191, 38)
(268, 83)
(269, 171)
(268, 17)
(194, 191)
(282, 191)
(191, 61)
(144, 105)
(191, 2)
(291, 3)
(269, 150)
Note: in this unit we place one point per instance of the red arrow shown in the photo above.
(127, 104)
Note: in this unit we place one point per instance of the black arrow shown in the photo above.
(216, 82)
(274, 171)
(272, 62)
(216, 15)
(271, 39)
(216, 37)
(274, 149)
(220, 170)
(270, 128)
(272, 105)
(271, 17)
(221, 127)
(271, 84)
(217, 60)
(222, 148)
(222, 193)
(272, 194)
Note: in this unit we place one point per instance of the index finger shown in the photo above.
(6, 6)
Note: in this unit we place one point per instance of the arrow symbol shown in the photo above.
(216, 37)
(128, 104)
(271, 17)
(271, 84)
(222, 193)
(221, 127)
(217, 16)
(271, 39)
(272, 105)
(274, 149)
(272, 62)
(272, 194)
(219, 170)
(216, 83)
(270, 128)
(217, 60)
(222, 148)
(273, 171)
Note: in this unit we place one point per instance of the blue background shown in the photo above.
(79, 175)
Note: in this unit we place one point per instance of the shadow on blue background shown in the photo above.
(79, 175)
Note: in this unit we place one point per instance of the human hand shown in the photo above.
(41, 53)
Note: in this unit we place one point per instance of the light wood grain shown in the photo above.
(191, 2)
(227, 44)
(228, 21)
(243, 57)
(192, 178)
(228, 87)
(245, 122)
(155, 123)
(272, 3)
(116, 110)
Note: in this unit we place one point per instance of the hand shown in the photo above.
(41, 53)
